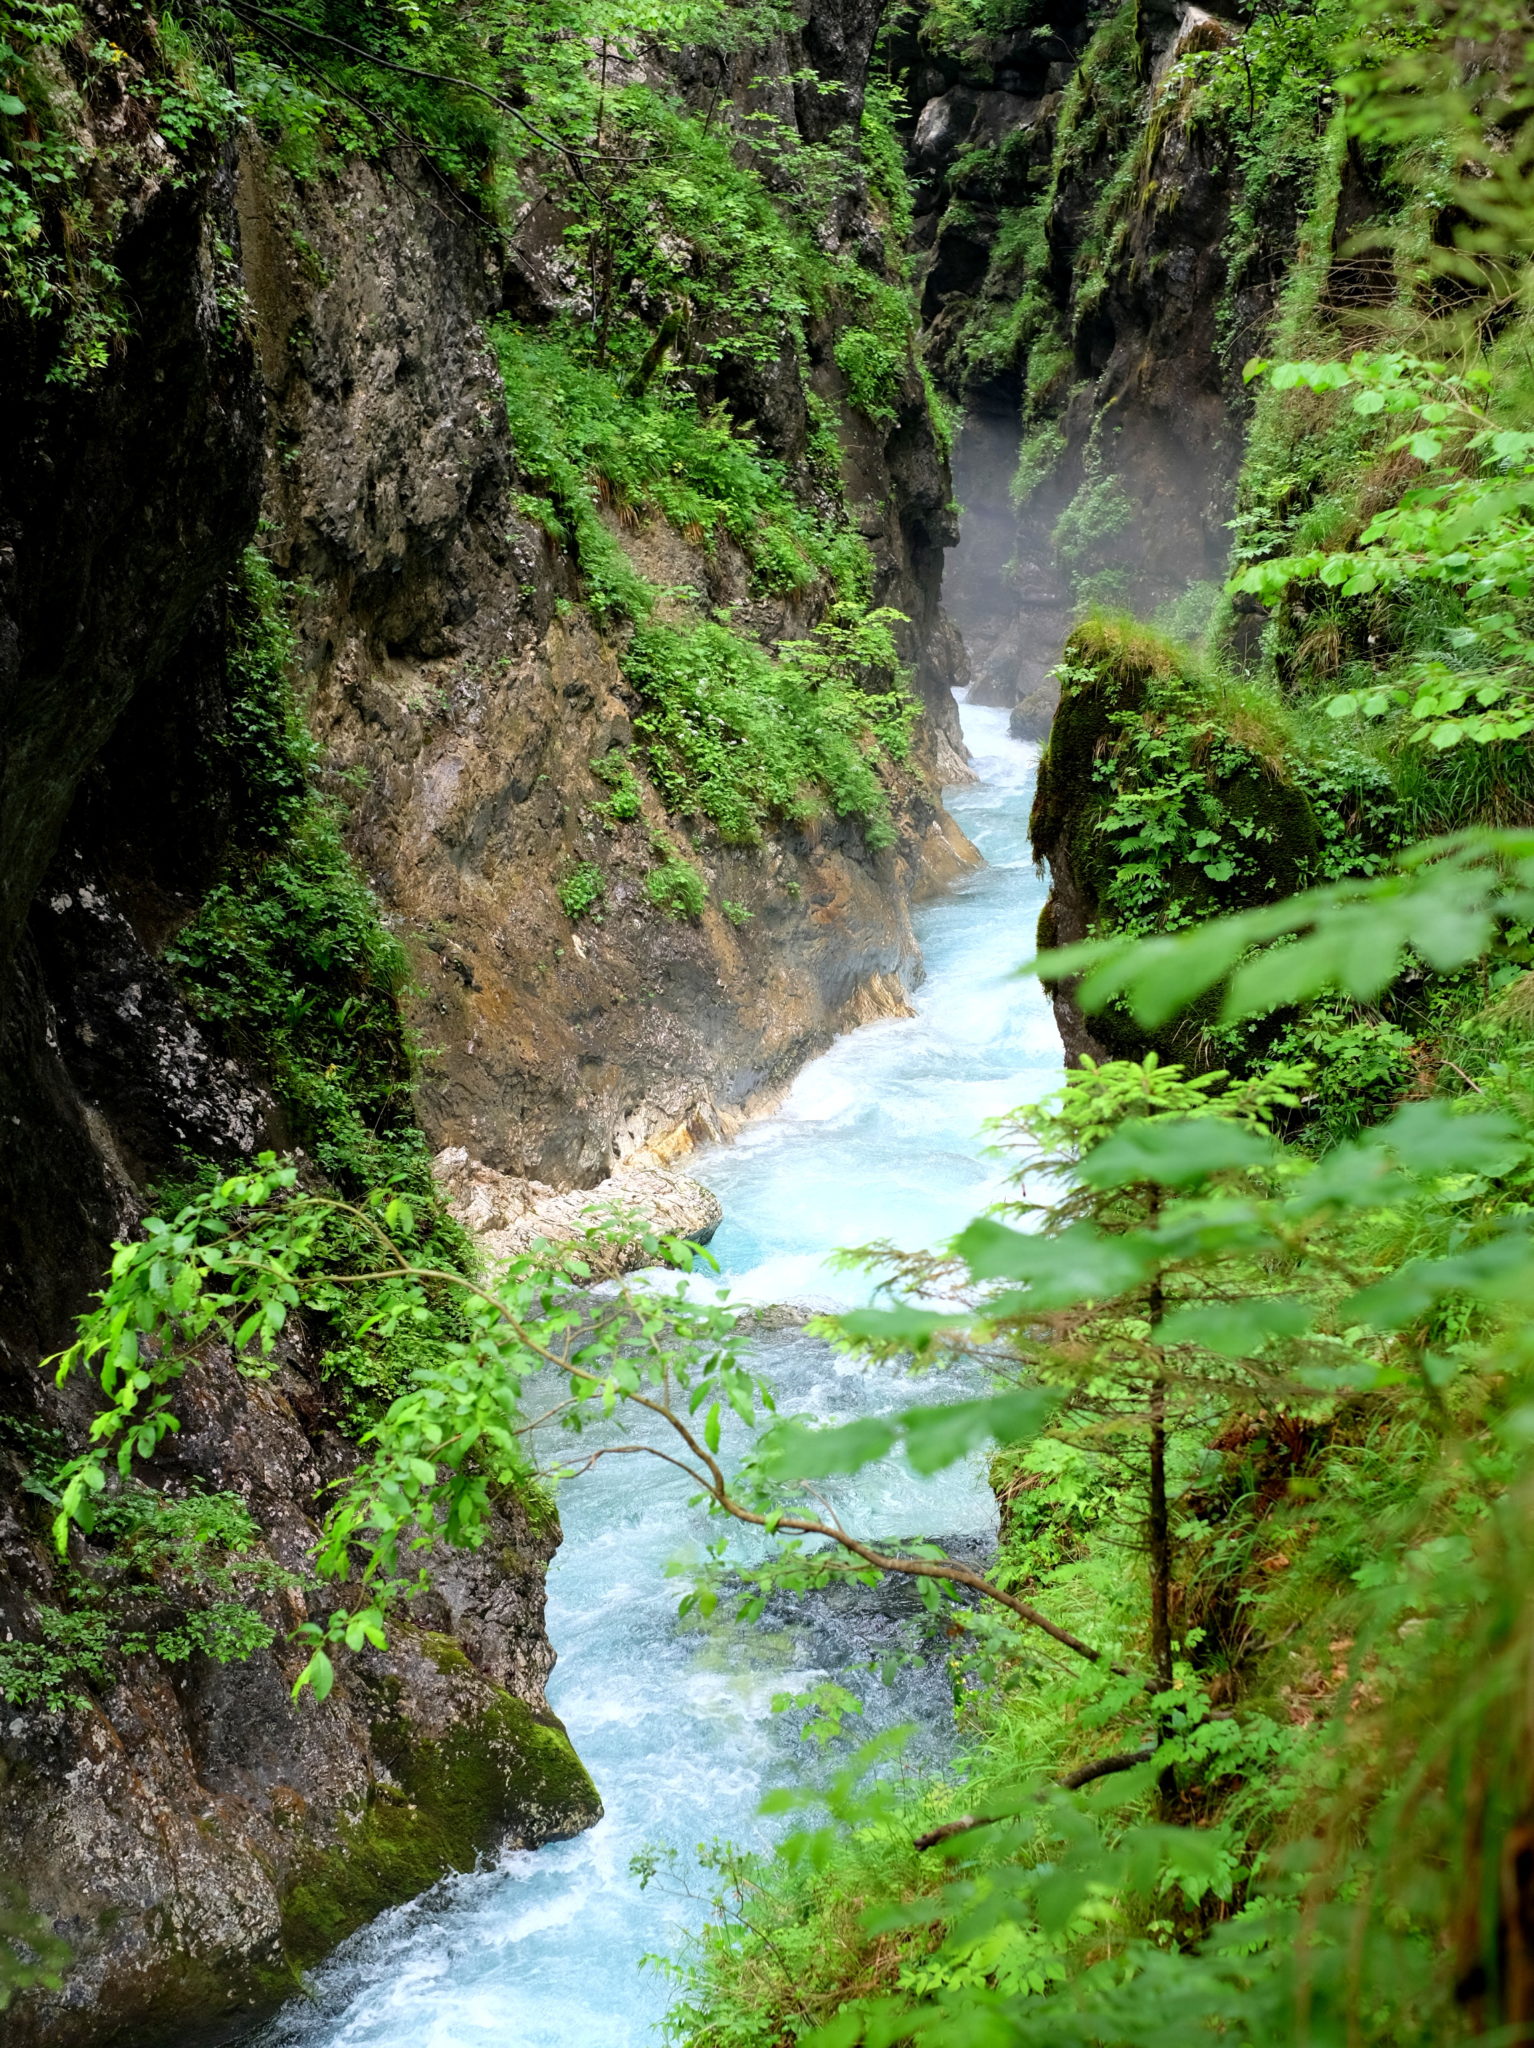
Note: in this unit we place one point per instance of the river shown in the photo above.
(880, 1137)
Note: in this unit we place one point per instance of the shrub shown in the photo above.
(287, 958)
(582, 890)
(676, 887)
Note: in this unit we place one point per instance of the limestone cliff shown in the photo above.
(457, 680)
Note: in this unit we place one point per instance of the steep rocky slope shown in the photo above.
(457, 678)
(1101, 258)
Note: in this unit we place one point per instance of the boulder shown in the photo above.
(1032, 718)
(506, 1215)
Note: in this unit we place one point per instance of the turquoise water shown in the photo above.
(878, 1138)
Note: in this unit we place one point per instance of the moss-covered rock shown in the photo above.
(1164, 797)
(508, 1774)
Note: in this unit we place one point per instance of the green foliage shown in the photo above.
(1266, 92)
(581, 890)
(586, 443)
(1100, 511)
(1462, 526)
(884, 163)
(1182, 790)
(1037, 455)
(738, 738)
(1305, 1834)
(247, 1253)
(286, 957)
(1443, 903)
(876, 359)
(1203, 1287)
(729, 732)
(1016, 322)
(959, 25)
(626, 800)
(675, 886)
(59, 161)
(197, 1556)
(1361, 1065)
(1261, 1316)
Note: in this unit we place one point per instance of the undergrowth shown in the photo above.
(732, 733)
(286, 958)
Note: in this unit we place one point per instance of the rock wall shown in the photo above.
(192, 1836)
(1076, 229)
(463, 691)
(197, 1839)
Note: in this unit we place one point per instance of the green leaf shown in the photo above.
(1078, 1264)
(933, 1436)
(319, 1675)
(939, 1436)
(1434, 1138)
(1234, 1329)
(1174, 1152)
(796, 1450)
(1501, 1268)
(913, 1327)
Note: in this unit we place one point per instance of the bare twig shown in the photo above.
(708, 1474)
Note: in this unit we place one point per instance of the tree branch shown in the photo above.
(1105, 1767)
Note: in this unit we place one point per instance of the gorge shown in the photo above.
(544, 545)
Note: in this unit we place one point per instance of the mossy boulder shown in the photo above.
(1164, 797)
(505, 1775)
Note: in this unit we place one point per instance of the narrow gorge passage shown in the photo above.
(881, 1137)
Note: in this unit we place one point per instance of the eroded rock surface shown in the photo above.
(462, 693)
(507, 1216)
(195, 1835)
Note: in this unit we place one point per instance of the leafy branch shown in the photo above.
(240, 1262)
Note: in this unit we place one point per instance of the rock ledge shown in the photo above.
(506, 1215)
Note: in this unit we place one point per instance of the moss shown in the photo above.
(1166, 795)
(1109, 663)
(446, 1653)
(453, 1798)
(191, 1999)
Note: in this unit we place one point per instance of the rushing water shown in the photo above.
(878, 1138)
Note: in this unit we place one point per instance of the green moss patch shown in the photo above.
(453, 1799)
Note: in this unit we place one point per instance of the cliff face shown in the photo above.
(1101, 262)
(463, 690)
(318, 349)
(194, 1837)
(190, 1835)
(123, 506)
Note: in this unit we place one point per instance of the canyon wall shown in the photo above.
(303, 365)
(1099, 262)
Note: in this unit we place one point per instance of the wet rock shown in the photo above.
(1032, 717)
(195, 1835)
